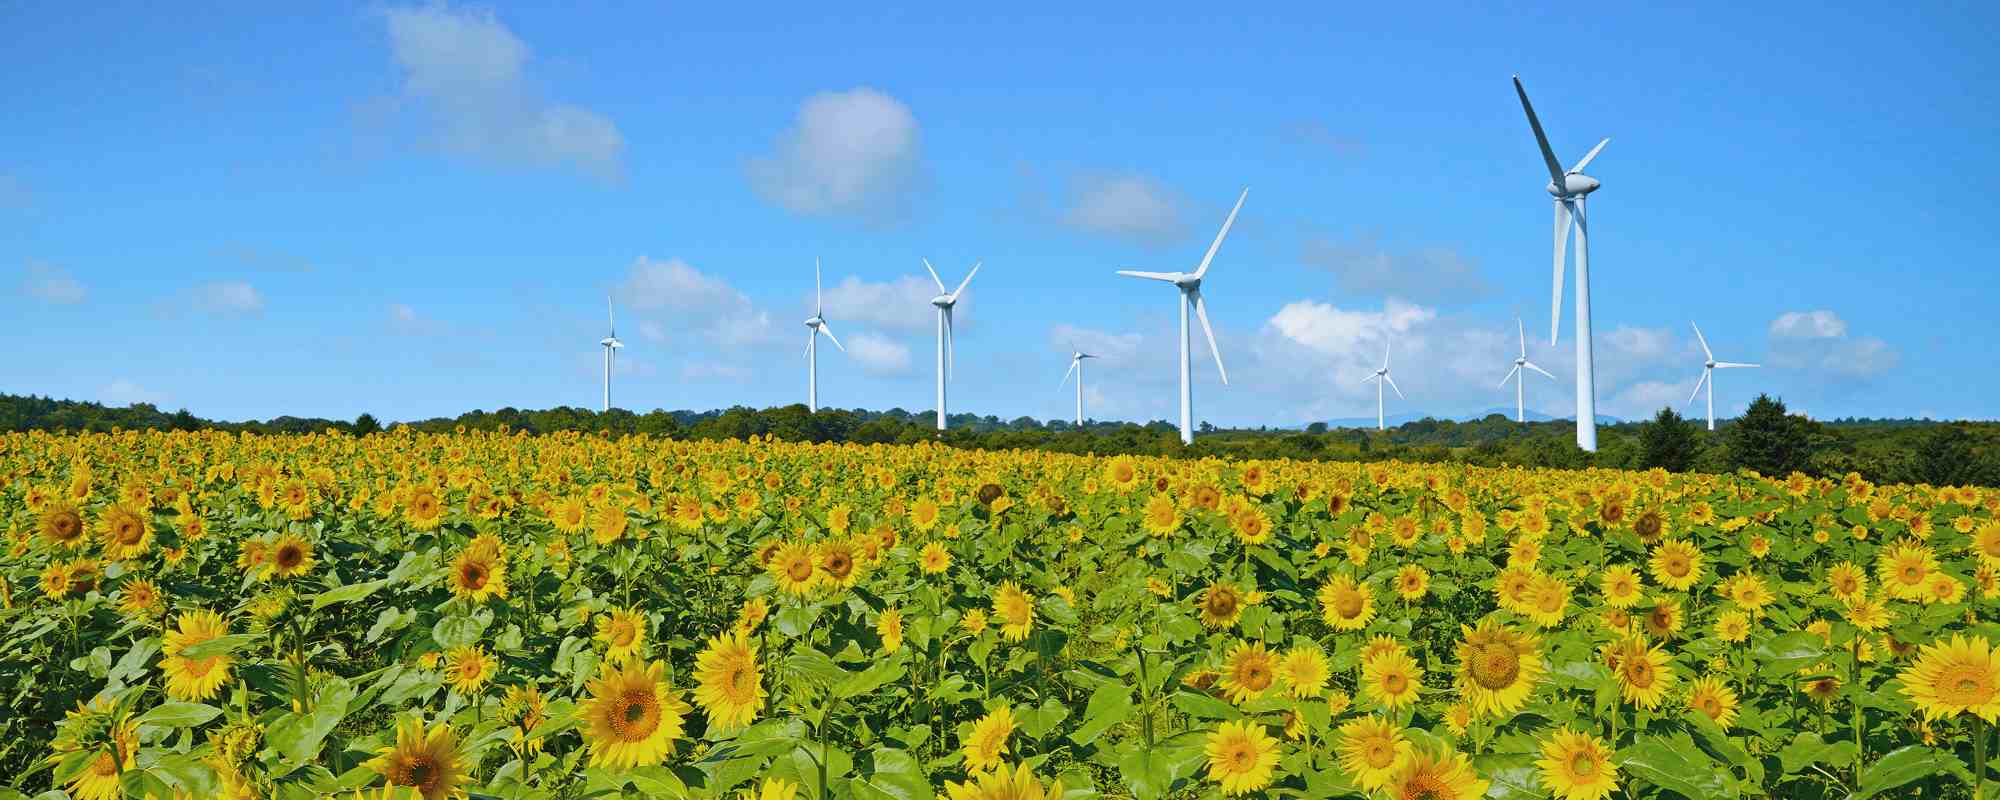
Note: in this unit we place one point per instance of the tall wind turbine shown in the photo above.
(1380, 377)
(1189, 284)
(1708, 368)
(610, 345)
(1570, 187)
(816, 325)
(1076, 358)
(1520, 410)
(944, 302)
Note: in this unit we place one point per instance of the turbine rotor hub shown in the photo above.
(942, 301)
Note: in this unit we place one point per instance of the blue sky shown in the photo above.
(418, 210)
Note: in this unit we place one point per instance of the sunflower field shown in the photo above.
(212, 615)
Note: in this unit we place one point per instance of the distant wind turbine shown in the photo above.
(1189, 284)
(816, 324)
(1076, 358)
(1520, 410)
(1569, 188)
(610, 345)
(1380, 377)
(1708, 368)
(944, 301)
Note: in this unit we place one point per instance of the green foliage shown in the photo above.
(1769, 440)
(1668, 442)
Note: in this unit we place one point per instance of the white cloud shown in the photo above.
(903, 304)
(124, 393)
(878, 355)
(1629, 344)
(1131, 207)
(1356, 336)
(50, 284)
(1426, 274)
(227, 298)
(1643, 399)
(1113, 350)
(467, 70)
(855, 153)
(1820, 324)
(692, 300)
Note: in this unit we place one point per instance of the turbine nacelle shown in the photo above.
(814, 322)
(611, 342)
(943, 301)
(1575, 184)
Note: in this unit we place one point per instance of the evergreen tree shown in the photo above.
(1668, 442)
(366, 424)
(1769, 440)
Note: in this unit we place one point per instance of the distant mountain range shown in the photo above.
(1394, 420)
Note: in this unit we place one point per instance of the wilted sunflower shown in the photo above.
(1676, 564)
(1577, 766)
(1497, 667)
(1444, 775)
(123, 532)
(632, 716)
(987, 742)
(1249, 670)
(289, 557)
(1372, 749)
(469, 668)
(1015, 609)
(1960, 676)
(1391, 680)
(729, 683)
(479, 573)
(1712, 697)
(1346, 605)
(194, 679)
(1241, 757)
(430, 760)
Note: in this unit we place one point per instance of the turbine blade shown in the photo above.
(1548, 155)
(1733, 365)
(1392, 385)
(1590, 155)
(1201, 311)
(816, 292)
(828, 330)
(611, 312)
(1371, 376)
(1071, 371)
(1697, 387)
(1510, 374)
(1169, 277)
(934, 276)
(1217, 244)
(1385, 351)
(1522, 332)
(1562, 257)
(1704, 342)
(961, 284)
(1531, 365)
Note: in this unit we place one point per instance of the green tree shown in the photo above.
(1769, 440)
(366, 424)
(1668, 442)
(1946, 457)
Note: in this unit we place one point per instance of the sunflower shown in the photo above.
(1372, 749)
(1577, 766)
(1676, 564)
(1346, 605)
(1847, 581)
(1015, 609)
(469, 668)
(632, 716)
(1712, 697)
(194, 679)
(1445, 775)
(1412, 582)
(1019, 783)
(796, 568)
(478, 574)
(974, 621)
(99, 778)
(838, 566)
(569, 514)
(1249, 671)
(1904, 569)
(1868, 614)
(423, 510)
(289, 557)
(608, 523)
(1664, 619)
(729, 684)
(140, 597)
(623, 632)
(987, 742)
(59, 524)
(889, 626)
(781, 789)
(1391, 680)
(1241, 757)
(1497, 667)
(934, 559)
(124, 533)
(1643, 674)
(1547, 600)
(430, 760)
(1623, 588)
(1961, 676)
(1251, 525)
(1732, 626)
(1221, 605)
(1122, 473)
(1305, 671)
(1161, 517)
(1986, 542)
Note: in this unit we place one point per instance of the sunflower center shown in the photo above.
(473, 576)
(799, 570)
(65, 525)
(420, 771)
(1676, 566)
(1495, 666)
(1221, 603)
(1254, 676)
(1582, 765)
(839, 565)
(1395, 683)
(1379, 754)
(289, 556)
(1241, 757)
(1963, 685)
(1910, 573)
(1348, 603)
(1424, 787)
(636, 715)
(1639, 673)
(1709, 705)
(129, 532)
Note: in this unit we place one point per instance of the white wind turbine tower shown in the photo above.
(1380, 377)
(816, 325)
(1569, 189)
(1708, 368)
(610, 345)
(1076, 358)
(1189, 284)
(944, 302)
(1516, 375)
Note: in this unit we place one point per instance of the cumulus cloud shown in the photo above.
(1356, 336)
(1134, 208)
(1820, 324)
(878, 355)
(468, 73)
(903, 304)
(50, 284)
(1819, 343)
(227, 299)
(852, 153)
(1430, 274)
(693, 300)
(1114, 350)
(1643, 399)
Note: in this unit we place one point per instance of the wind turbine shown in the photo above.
(1708, 369)
(1569, 188)
(816, 325)
(1076, 358)
(944, 302)
(1380, 377)
(610, 345)
(1189, 284)
(1520, 411)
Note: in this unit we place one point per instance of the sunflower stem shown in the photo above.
(1854, 677)
(1978, 758)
